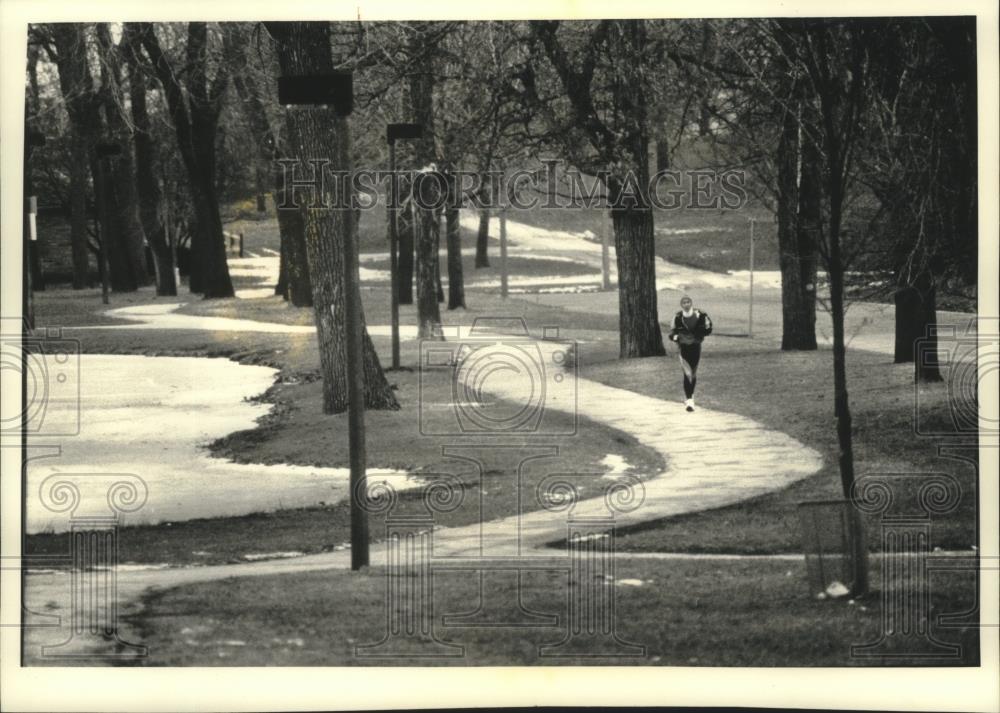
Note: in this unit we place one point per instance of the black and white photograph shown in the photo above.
(425, 342)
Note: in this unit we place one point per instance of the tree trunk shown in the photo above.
(78, 188)
(662, 155)
(842, 410)
(292, 226)
(405, 231)
(916, 333)
(798, 206)
(638, 317)
(282, 287)
(483, 239)
(456, 283)
(304, 49)
(438, 285)
(426, 229)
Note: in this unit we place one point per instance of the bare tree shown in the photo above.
(123, 227)
(67, 47)
(303, 49)
(250, 83)
(604, 131)
(194, 112)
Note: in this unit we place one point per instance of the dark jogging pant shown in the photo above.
(690, 356)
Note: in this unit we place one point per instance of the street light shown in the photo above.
(337, 90)
(392, 133)
(106, 150)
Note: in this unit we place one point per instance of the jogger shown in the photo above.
(689, 329)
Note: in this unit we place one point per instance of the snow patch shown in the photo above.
(151, 417)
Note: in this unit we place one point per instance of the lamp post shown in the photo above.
(106, 150)
(392, 133)
(337, 90)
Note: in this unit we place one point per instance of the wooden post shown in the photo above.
(355, 369)
(753, 224)
(503, 252)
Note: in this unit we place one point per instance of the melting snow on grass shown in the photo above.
(151, 417)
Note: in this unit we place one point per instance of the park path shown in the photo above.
(585, 248)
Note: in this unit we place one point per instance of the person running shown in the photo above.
(689, 329)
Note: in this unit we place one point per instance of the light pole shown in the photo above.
(337, 90)
(392, 133)
(105, 151)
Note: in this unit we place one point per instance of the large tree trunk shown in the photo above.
(147, 188)
(304, 49)
(639, 332)
(798, 215)
(916, 328)
(456, 283)
(483, 239)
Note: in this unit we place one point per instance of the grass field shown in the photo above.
(684, 613)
